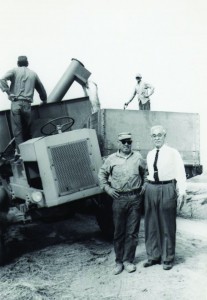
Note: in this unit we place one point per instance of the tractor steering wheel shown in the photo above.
(57, 125)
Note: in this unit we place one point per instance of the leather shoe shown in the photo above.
(151, 262)
(118, 268)
(167, 265)
(129, 267)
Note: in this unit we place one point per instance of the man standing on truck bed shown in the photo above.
(166, 179)
(144, 91)
(121, 177)
(21, 91)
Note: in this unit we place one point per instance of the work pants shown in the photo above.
(160, 221)
(126, 217)
(21, 120)
(145, 106)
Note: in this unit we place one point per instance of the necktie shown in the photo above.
(155, 167)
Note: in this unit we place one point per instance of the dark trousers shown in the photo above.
(160, 221)
(21, 121)
(126, 217)
(145, 106)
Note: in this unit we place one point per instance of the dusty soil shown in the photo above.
(71, 260)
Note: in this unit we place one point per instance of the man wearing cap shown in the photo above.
(121, 176)
(165, 185)
(144, 91)
(23, 82)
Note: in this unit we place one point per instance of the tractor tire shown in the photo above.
(104, 215)
(2, 249)
(4, 207)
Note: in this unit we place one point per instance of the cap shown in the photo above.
(124, 135)
(22, 58)
(138, 75)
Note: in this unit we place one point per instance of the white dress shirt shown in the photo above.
(170, 166)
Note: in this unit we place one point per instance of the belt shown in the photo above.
(23, 100)
(161, 182)
(130, 193)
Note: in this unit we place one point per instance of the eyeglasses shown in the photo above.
(126, 141)
(159, 135)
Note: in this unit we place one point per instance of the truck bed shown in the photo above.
(183, 131)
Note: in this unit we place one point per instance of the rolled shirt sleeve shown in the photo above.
(3, 81)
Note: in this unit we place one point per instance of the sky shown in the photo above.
(164, 40)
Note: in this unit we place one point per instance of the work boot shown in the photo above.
(129, 267)
(16, 159)
(167, 265)
(118, 268)
(151, 262)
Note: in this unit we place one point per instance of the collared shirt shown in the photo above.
(122, 173)
(144, 90)
(170, 166)
(23, 83)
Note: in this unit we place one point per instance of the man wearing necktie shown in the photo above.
(165, 185)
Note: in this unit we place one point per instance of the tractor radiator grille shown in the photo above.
(72, 168)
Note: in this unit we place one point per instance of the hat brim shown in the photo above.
(125, 137)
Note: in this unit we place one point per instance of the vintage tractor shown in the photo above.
(59, 165)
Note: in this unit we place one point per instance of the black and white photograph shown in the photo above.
(103, 169)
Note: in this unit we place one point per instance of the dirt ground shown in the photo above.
(71, 260)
